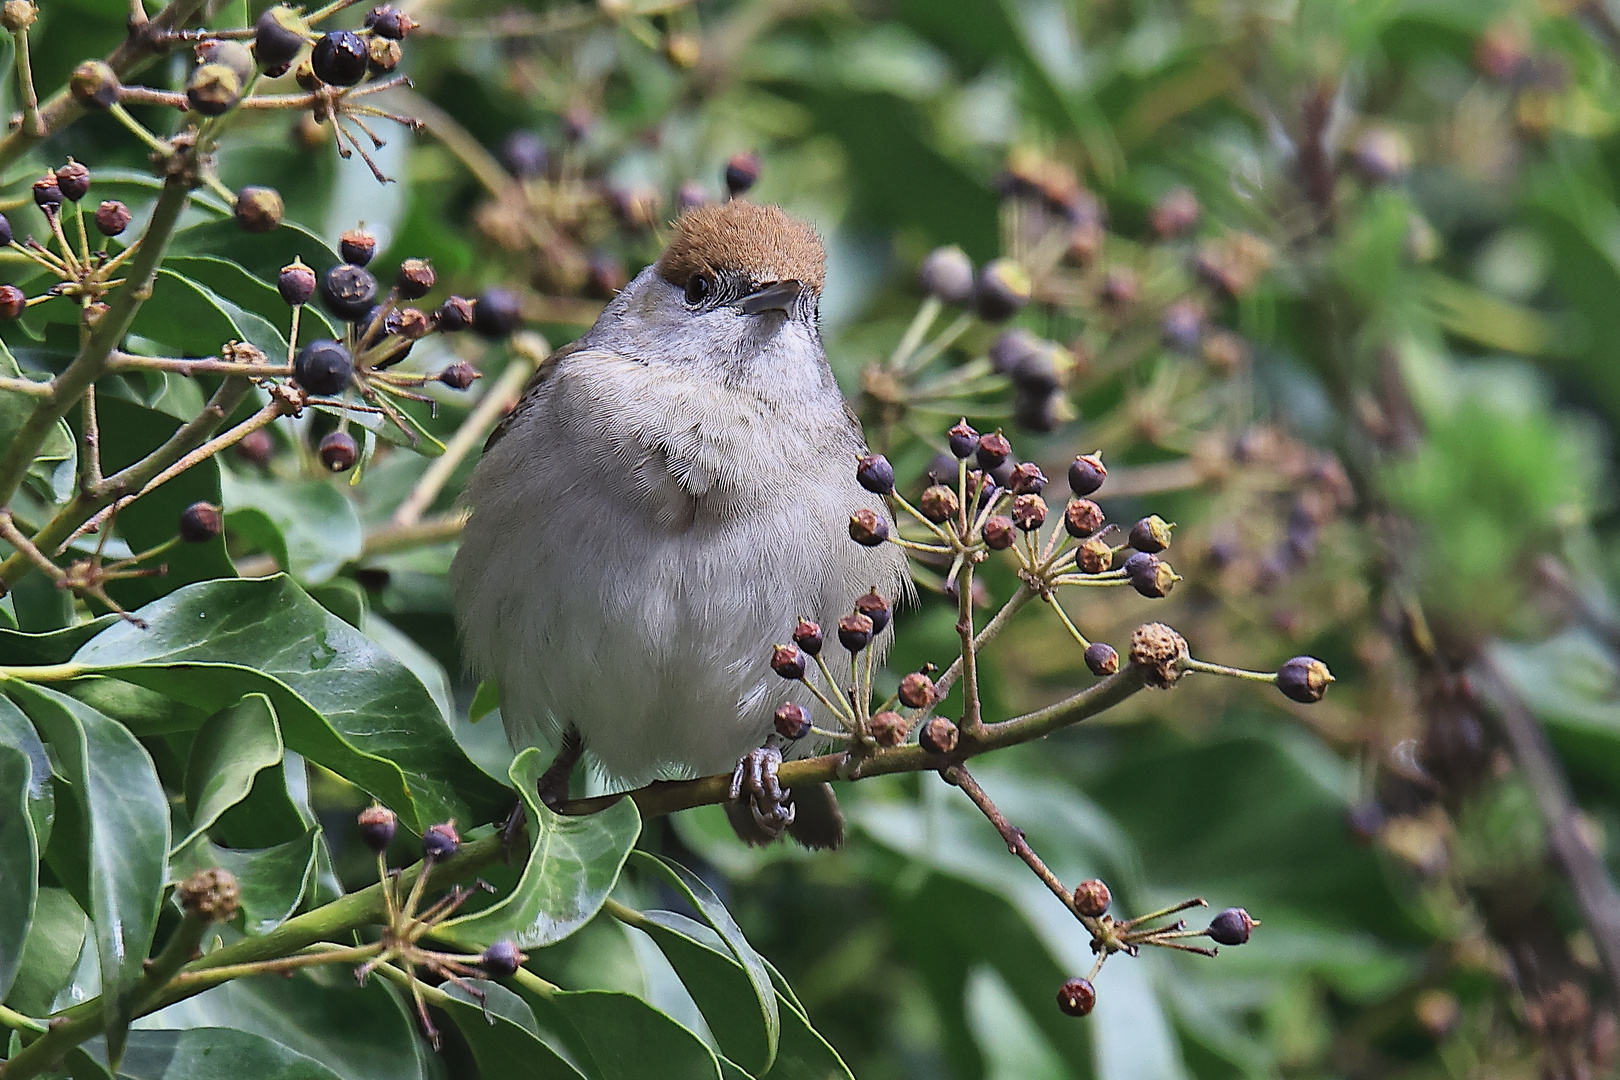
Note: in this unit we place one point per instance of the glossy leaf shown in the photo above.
(14, 411)
(56, 936)
(718, 983)
(624, 1034)
(19, 649)
(19, 861)
(342, 700)
(359, 1033)
(273, 881)
(574, 862)
(756, 1054)
(215, 1053)
(126, 815)
(17, 732)
(227, 753)
(503, 1035)
(316, 521)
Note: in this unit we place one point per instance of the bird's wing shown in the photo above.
(547, 368)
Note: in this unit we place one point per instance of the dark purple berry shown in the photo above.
(1231, 927)
(340, 58)
(458, 376)
(377, 825)
(742, 172)
(357, 246)
(277, 36)
(1087, 474)
(855, 632)
(47, 196)
(1149, 576)
(201, 522)
(875, 607)
(454, 315)
(868, 528)
(875, 474)
(389, 22)
(1101, 659)
(1077, 997)
(497, 313)
(1151, 534)
(323, 367)
(807, 636)
(947, 274)
(1304, 679)
(415, 279)
(501, 960)
(787, 661)
(73, 179)
(112, 218)
(525, 154)
(349, 291)
(792, 721)
(440, 841)
(992, 451)
(338, 451)
(963, 439)
(296, 283)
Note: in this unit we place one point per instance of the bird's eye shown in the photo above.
(698, 288)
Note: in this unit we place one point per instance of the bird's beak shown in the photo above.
(777, 296)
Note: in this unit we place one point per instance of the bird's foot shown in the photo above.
(512, 830)
(552, 786)
(755, 787)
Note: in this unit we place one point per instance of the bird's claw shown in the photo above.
(755, 777)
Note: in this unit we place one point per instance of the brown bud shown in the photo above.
(17, 15)
(917, 691)
(1101, 659)
(792, 720)
(94, 84)
(112, 218)
(357, 246)
(807, 636)
(412, 324)
(1091, 898)
(868, 528)
(938, 504)
(938, 736)
(201, 522)
(415, 279)
(1082, 517)
(1094, 556)
(73, 179)
(211, 894)
(1304, 679)
(1151, 534)
(1027, 479)
(459, 376)
(855, 632)
(999, 533)
(787, 661)
(1029, 512)
(889, 728)
(1158, 651)
(13, 302)
(258, 209)
(1077, 997)
(1175, 214)
(213, 89)
(377, 825)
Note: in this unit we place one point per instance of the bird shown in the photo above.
(670, 495)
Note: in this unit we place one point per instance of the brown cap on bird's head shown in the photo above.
(735, 237)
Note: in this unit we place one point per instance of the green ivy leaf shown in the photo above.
(263, 255)
(17, 733)
(716, 981)
(127, 824)
(229, 751)
(14, 411)
(341, 699)
(503, 1035)
(20, 649)
(359, 1033)
(19, 861)
(624, 1034)
(215, 1053)
(574, 862)
(273, 881)
(752, 1045)
(55, 939)
(316, 523)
